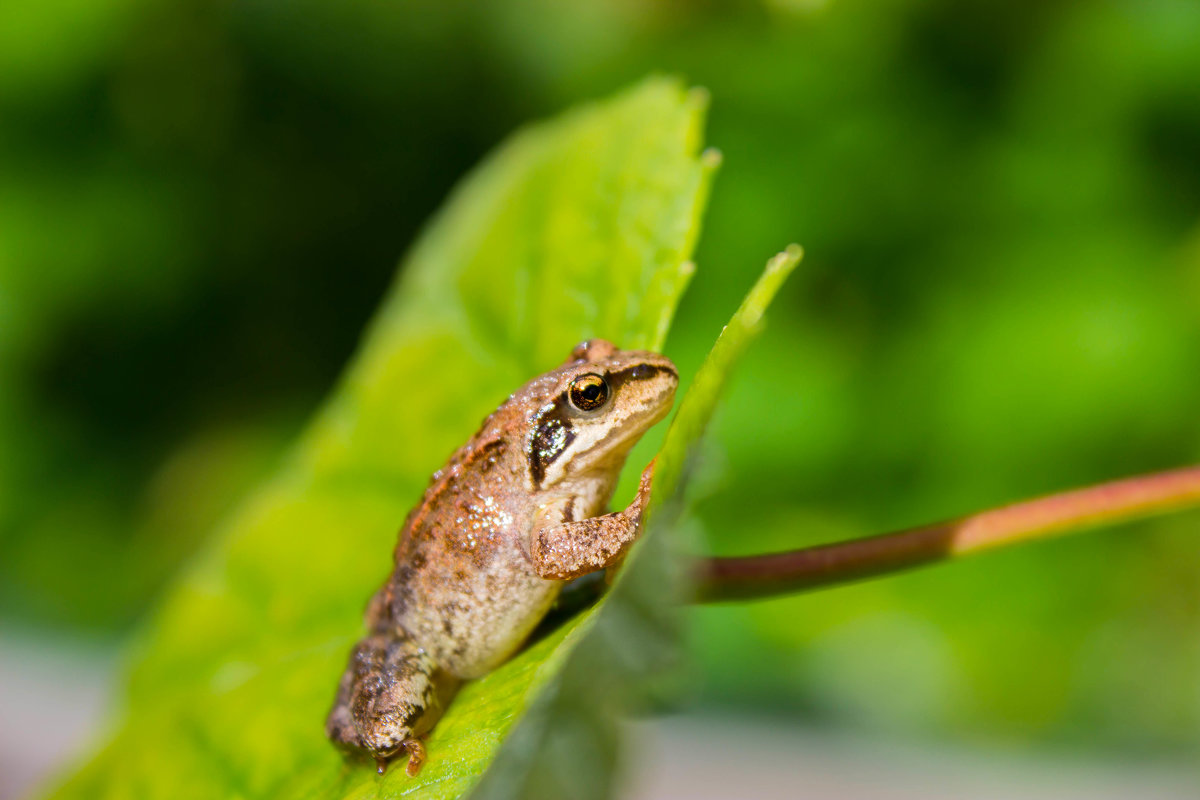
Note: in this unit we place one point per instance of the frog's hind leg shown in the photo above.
(339, 726)
(386, 697)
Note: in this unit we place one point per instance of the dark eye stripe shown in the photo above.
(639, 372)
(552, 435)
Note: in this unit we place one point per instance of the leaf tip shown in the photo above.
(786, 259)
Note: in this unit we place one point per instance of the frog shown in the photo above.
(516, 513)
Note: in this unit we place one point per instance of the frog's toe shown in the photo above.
(416, 756)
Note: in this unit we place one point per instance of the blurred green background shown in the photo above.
(201, 204)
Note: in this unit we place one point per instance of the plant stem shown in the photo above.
(747, 577)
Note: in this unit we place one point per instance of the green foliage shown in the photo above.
(580, 227)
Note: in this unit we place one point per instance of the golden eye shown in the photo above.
(588, 392)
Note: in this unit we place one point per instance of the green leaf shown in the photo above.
(566, 745)
(576, 228)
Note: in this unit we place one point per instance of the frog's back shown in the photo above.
(462, 586)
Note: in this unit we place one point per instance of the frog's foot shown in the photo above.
(416, 757)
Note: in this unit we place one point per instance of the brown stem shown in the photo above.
(748, 577)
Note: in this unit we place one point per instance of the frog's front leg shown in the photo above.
(562, 548)
(387, 696)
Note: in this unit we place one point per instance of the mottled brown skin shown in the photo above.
(516, 512)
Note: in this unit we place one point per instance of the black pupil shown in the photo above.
(589, 392)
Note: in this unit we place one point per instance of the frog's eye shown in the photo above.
(588, 392)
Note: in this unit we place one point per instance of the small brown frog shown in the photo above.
(516, 512)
